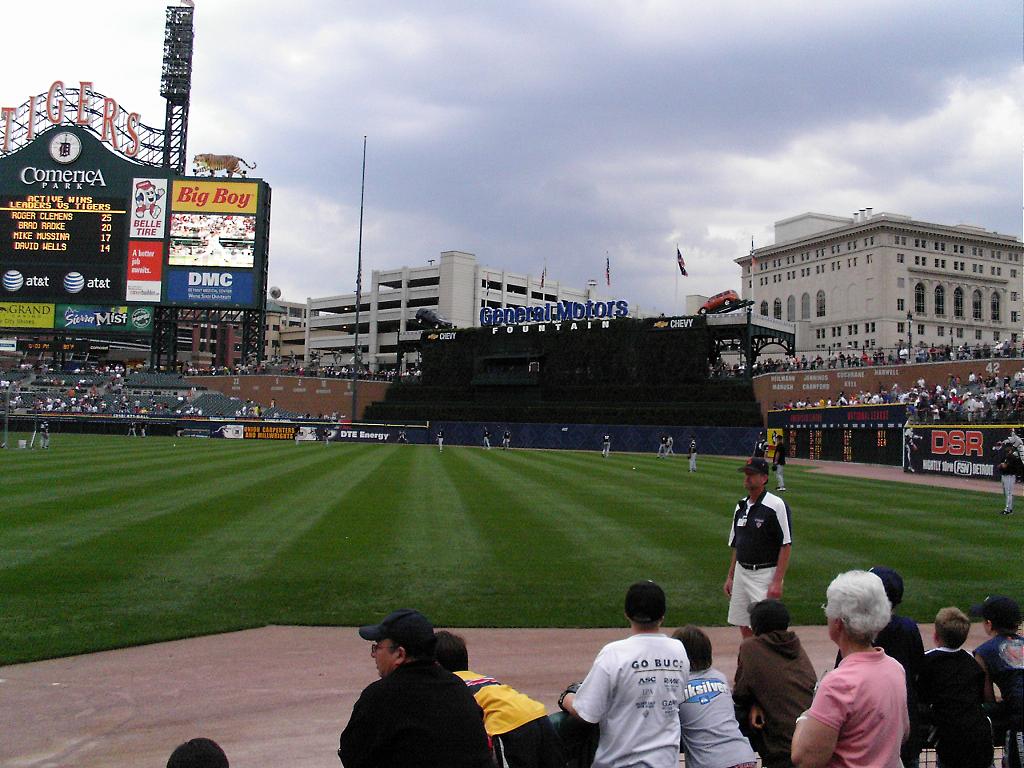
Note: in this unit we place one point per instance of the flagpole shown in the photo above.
(359, 290)
(675, 299)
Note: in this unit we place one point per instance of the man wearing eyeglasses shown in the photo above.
(417, 715)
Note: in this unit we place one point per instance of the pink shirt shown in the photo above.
(865, 699)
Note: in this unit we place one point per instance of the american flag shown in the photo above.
(608, 270)
(680, 262)
(753, 259)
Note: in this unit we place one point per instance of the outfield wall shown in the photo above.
(721, 441)
(728, 441)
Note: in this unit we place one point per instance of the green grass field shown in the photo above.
(112, 541)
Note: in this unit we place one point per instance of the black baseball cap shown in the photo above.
(1003, 612)
(645, 602)
(755, 466)
(892, 582)
(405, 627)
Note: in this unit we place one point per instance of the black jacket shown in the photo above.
(419, 716)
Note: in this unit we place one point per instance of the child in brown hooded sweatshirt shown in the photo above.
(775, 683)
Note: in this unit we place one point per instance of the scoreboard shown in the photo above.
(88, 239)
(72, 246)
(863, 434)
(862, 445)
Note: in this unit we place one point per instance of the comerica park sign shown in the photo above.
(562, 311)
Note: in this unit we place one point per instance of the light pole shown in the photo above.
(910, 336)
(7, 410)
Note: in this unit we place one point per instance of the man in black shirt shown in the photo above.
(761, 540)
(417, 715)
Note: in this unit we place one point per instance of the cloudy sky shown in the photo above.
(561, 131)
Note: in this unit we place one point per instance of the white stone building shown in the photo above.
(883, 279)
(457, 288)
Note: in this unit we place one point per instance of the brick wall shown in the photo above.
(814, 385)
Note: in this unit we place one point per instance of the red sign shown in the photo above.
(957, 442)
(144, 260)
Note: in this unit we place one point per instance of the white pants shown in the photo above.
(605, 448)
(748, 587)
(1008, 483)
(780, 481)
(693, 462)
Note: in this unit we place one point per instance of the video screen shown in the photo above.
(212, 240)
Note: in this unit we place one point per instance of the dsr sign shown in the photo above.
(958, 442)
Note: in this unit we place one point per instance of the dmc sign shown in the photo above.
(220, 279)
(560, 312)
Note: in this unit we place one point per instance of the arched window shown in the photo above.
(777, 309)
(919, 299)
(995, 306)
(819, 301)
(805, 307)
(958, 303)
(940, 300)
(976, 305)
(764, 309)
(791, 309)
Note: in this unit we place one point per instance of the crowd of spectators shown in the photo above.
(649, 696)
(111, 390)
(975, 399)
(862, 358)
(296, 368)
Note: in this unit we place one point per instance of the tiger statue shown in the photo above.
(230, 164)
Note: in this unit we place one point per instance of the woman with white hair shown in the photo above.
(858, 718)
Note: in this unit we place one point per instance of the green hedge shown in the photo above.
(712, 392)
(688, 414)
(627, 351)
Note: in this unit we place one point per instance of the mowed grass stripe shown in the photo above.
(154, 571)
(389, 537)
(591, 519)
(151, 461)
(111, 499)
(216, 535)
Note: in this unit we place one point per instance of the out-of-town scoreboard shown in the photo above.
(92, 239)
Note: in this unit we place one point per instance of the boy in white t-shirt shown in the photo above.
(633, 690)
